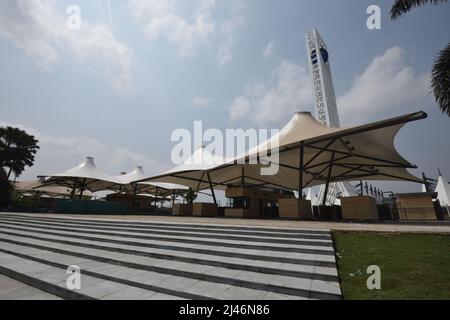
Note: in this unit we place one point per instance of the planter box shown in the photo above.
(416, 207)
(205, 210)
(295, 208)
(182, 210)
(359, 208)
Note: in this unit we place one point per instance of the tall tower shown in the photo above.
(326, 106)
(322, 80)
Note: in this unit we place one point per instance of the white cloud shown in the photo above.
(40, 30)
(162, 19)
(227, 38)
(269, 49)
(201, 102)
(388, 86)
(57, 154)
(264, 103)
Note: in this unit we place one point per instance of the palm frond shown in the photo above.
(400, 7)
(440, 82)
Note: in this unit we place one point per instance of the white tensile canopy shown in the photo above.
(85, 176)
(191, 173)
(325, 154)
(322, 154)
(125, 183)
(35, 187)
(443, 191)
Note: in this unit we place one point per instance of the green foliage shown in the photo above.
(441, 80)
(401, 7)
(17, 150)
(19, 201)
(440, 83)
(190, 196)
(413, 266)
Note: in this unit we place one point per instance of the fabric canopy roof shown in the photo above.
(51, 191)
(124, 183)
(86, 176)
(322, 154)
(191, 173)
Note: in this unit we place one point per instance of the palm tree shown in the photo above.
(190, 196)
(440, 82)
(17, 150)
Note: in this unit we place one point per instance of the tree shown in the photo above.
(440, 82)
(5, 189)
(17, 150)
(190, 196)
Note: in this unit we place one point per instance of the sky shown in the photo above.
(118, 86)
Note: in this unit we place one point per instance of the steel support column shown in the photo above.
(327, 186)
(300, 170)
(212, 189)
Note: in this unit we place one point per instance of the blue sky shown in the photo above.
(119, 86)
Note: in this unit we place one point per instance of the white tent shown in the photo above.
(322, 154)
(443, 191)
(35, 187)
(191, 173)
(85, 176)
(326, 154)
(125, 183)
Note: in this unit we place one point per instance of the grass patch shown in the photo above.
(413, 266)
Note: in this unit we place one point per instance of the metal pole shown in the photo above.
(300, 170)
(327, 186)
(133, 204)
(156, 196)
(212, 189)
(83, 185)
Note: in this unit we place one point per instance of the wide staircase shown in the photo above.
(167, 260)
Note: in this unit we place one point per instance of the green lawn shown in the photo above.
(413, 266)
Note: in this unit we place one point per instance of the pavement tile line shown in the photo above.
(326, 245)
(293, 233)
(42, 285)
(213, 263)
(254, 246)
(299, 240)
(137, 278)
(236, 263)
(104, 277)
(228, 254)
(186, 274)
(171, 224)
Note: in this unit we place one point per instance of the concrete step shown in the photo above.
(231, 245)
(255, 265)
(302, 287)
(177, 286)
(318, 260)
(301, 239)
(176, 260)
(11, 289)
(313, 248)
(191, 226)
